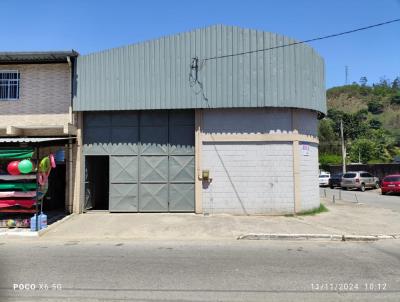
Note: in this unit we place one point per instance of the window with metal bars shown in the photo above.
(9, 84)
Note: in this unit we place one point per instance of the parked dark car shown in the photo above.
(335, 180)
(390, 184)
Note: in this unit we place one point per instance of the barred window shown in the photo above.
(9, 84)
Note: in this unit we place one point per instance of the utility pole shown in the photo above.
(343, 147)
(346, 71)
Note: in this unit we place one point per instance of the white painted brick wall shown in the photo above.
(309, 178)
(248, 178)
(257, 178)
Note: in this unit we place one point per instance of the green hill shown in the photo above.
(371, 118)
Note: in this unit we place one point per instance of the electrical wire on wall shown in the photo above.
(194, 82)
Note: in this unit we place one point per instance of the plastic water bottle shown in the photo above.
(42, 222)
(33, 223)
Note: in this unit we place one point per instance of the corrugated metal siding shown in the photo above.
(155, 74)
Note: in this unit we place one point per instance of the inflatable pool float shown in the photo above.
(45, 165)
(42, 178)
(25, 203)
(52, 161)
(18, 186)
(17, 177)
(17, 194)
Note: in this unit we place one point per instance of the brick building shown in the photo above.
(36, 111)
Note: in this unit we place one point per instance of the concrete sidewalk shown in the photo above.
(342, 219)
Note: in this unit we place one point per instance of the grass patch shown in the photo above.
(320, 209)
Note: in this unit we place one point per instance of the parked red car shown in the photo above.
(390, 184)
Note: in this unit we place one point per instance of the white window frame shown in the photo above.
(8, 83)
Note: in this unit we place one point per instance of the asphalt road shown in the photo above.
(370, 197)
(200, 271)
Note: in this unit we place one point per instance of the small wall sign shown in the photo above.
(305, 149)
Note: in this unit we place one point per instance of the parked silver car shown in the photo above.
(359, 180)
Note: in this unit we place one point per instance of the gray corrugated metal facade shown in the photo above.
(155, 74)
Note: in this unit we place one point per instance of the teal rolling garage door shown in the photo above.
(151, 158)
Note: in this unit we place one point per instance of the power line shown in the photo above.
(305, 41)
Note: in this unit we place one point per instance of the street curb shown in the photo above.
(55, 224)
(333, 237)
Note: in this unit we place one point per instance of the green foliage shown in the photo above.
(371, 139)
(375, 124)
(330, 159)
(377, 145)
(395, 99)
(361, 149)
(396, 84)
(375, 107)
(363, 81)
(375, 161)
(321, 209)
(353, 124)
(329, 140)
(383, 88)
(362, 114)
(349, 90)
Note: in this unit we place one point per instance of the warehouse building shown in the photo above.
(200, 122)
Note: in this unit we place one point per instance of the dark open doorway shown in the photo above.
(96, 183)
(55, 197)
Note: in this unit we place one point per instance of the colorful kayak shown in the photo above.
(17, 194)
(19, 186)
(25, 203)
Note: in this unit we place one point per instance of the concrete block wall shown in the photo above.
(45, 96)
(309, 176)
(258, 177)
(248, 178)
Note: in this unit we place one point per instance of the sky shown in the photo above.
(93, 25)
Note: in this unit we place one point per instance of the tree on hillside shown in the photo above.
(329, 140)
(375, 106)
(396, 84)
(361, 150)
(363, 81)
(377, 144)
(354, 124)
(375, 124)
(395, 99)
(364, 134)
